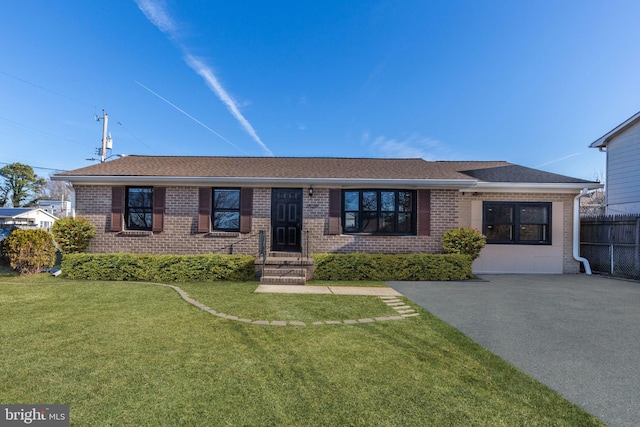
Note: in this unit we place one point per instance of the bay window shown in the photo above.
(379, 211)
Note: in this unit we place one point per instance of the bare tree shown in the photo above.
(595, 203)
(55, 190)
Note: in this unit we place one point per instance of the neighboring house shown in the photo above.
(190, 205)
(59, 208)
(622, 145)
(26, 218)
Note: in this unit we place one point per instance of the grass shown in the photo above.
(130, 354)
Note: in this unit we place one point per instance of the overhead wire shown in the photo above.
(31, 128)
(66, 97)
(46, 89)
(38, 167)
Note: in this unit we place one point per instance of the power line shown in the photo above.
(37, 167)
(46, 90)
(137, 139)
(31, 128)
(69, 98)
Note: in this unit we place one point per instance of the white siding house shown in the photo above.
(622, 147)
(58, 208)
(26, 218)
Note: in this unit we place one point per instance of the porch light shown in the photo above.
(310, 191)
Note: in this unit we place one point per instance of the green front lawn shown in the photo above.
(130, 354)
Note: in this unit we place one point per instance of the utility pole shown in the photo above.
(105, 122)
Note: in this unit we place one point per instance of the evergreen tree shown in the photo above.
(21, 185)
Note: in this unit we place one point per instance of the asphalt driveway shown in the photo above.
(578, 334)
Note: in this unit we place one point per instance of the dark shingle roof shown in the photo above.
(316, 168)
(517, 173)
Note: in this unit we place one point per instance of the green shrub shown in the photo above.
(29, 251)
(73, 234)
(464, 241)
(159, 268)
(360, 266)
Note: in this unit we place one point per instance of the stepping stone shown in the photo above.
(406, 311)
(402, 307)
(384, 319)
(411, 315)
(317, 323)
(350, 322)
(260, 322)
(296, 323)
(278, 323)
(367, 320)
(333, 322)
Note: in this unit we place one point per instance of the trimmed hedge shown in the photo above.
(360, 266)
(159, 268)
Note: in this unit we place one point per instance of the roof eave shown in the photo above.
(604, 139)
(27, 214)
(264, 181)
(535, 187)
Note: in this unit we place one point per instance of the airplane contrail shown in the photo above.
(559, 160)
(158, 16)
(190, 116)
(213, 83)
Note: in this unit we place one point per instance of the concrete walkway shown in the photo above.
(327, 290)
(578, 334)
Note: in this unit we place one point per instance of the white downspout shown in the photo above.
(576, 232)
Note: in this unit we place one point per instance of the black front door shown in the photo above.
(286, 219)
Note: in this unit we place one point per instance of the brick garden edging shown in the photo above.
(404, 311)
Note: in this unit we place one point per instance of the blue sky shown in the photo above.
(529, 82)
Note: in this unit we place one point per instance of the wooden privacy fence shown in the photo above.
(612, 244)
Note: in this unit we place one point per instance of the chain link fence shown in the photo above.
(612, 245)
(617, 260)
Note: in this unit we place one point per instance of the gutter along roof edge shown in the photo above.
(329, 182)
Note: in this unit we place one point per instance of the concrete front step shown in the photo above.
(285, 268)
(285, 271)
(282, 280)
(284, 255)
(287, 261)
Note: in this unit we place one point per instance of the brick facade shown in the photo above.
(449, 209)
